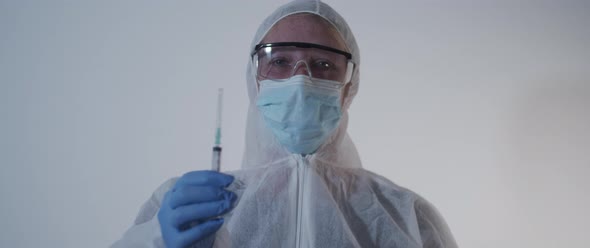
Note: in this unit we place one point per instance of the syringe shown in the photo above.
(216, 163)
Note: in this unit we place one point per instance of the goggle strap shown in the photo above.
(301, 45)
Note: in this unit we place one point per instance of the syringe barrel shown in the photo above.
(216, 161)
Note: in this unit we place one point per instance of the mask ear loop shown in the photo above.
(306, 67)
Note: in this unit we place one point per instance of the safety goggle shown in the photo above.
(283, 60)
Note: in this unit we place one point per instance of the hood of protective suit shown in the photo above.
(261, 147)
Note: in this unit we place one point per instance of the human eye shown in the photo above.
(324, 65)
(279, 62)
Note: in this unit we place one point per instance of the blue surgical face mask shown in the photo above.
(301, 111)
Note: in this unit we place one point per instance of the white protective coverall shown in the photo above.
(321, 200)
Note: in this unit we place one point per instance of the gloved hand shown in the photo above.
(189, 210)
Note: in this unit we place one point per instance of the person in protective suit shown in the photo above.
(301, 182)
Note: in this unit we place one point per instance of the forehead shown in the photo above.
(305, 28)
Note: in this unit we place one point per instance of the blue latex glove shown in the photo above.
(190, 209)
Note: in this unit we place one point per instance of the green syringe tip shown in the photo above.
(218, 136)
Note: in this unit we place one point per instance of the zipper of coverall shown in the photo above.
(301, 167)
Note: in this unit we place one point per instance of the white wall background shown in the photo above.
(480, 106)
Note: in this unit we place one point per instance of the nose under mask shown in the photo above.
(301, 111)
